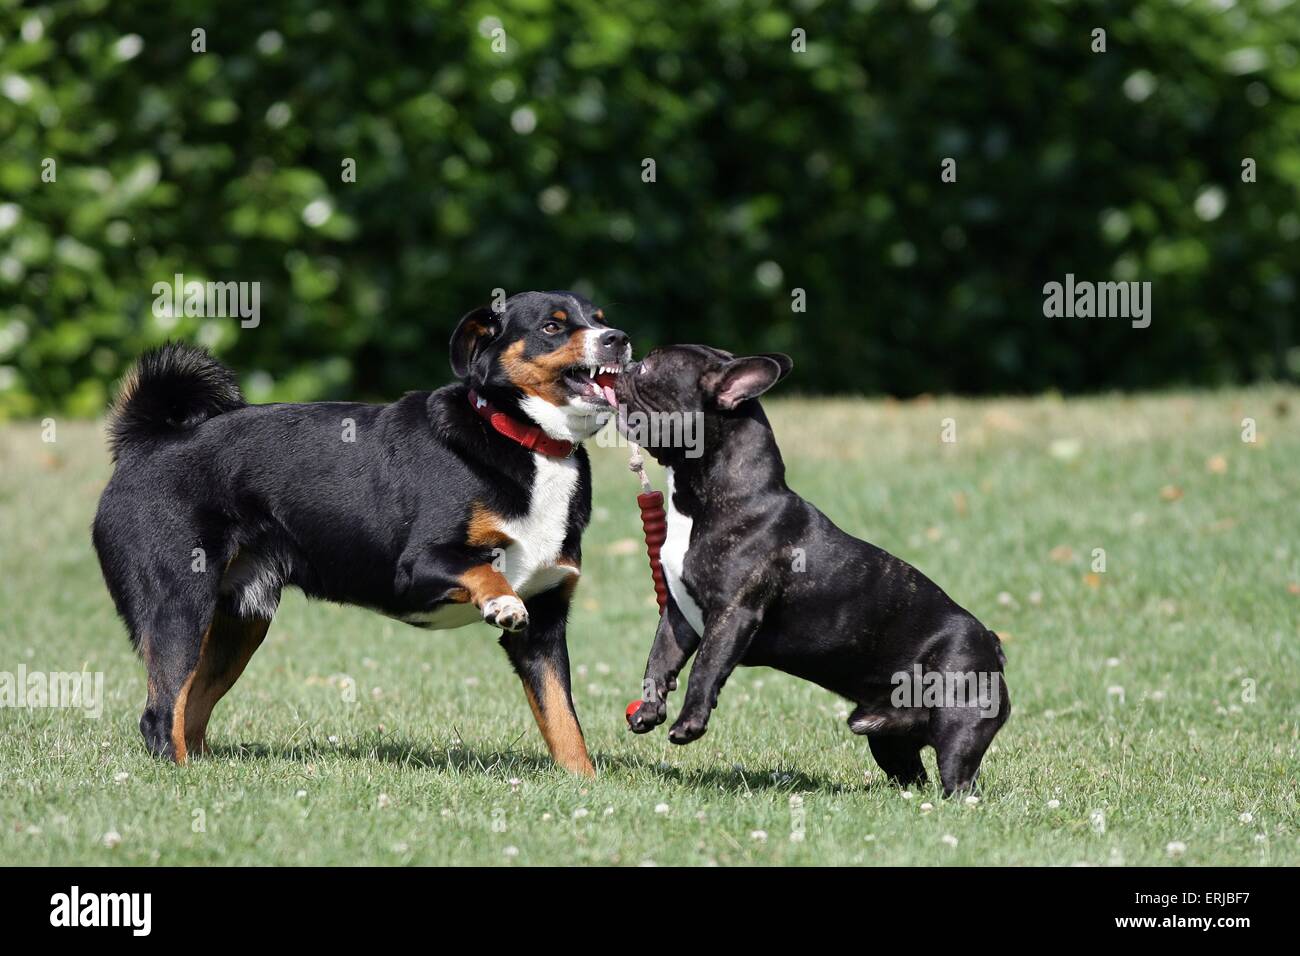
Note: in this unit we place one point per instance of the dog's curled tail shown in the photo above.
(171, 389)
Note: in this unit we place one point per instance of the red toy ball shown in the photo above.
(632, 708)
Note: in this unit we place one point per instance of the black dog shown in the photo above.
(438, 509)
(758, 576)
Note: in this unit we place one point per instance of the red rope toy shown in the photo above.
(654, 522)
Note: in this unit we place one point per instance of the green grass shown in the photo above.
(438, 760)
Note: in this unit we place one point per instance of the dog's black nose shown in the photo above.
(614, 339)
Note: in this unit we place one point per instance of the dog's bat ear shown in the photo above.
(475, 330)
(781, 359)
(744, 378)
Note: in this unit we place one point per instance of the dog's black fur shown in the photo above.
(777, 584)
(413, 509)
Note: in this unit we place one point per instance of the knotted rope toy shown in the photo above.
(654, 523)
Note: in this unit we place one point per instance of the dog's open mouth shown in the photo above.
(595, 383)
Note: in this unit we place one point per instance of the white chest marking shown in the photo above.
(530, 561)
(673, 556)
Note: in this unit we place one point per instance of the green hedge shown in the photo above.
(775, 170)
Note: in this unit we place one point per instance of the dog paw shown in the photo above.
(648, 716)
(687, 729)
(506, 612)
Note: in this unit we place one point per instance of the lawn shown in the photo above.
(1156, 703)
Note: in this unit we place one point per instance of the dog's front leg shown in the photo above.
(727, 636)
(675, 642)
(540, 656)
(458, 578)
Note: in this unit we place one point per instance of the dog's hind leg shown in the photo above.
(191, 666)
(171, 640)
(224, 652)
(196, 643)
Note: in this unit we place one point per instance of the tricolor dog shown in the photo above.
(447, 507)
(757, 576)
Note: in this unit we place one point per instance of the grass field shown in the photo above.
(1156, 703)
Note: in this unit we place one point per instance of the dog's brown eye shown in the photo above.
(551, 328)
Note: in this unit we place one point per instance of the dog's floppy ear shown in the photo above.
(475, 330)
(744, 378)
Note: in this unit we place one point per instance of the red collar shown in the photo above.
(530, 436)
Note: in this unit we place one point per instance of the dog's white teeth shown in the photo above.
(592, 371)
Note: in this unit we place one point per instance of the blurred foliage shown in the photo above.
(776, 170)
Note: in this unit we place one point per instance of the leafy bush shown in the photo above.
(775, 170)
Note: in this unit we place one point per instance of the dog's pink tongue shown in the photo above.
(605, 382)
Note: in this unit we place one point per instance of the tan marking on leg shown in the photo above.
(542, 375)
(224, 652)
(227, 647)
(559, 724)
(178, 724)
(485, 528)
(181, 753)
(484, 582)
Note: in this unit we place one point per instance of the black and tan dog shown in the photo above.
(440, 509)
(757, 576)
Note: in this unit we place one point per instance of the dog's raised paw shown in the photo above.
(687, 729)
(506, 612)
(648, 716)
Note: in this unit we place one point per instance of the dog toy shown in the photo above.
(654, 523)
